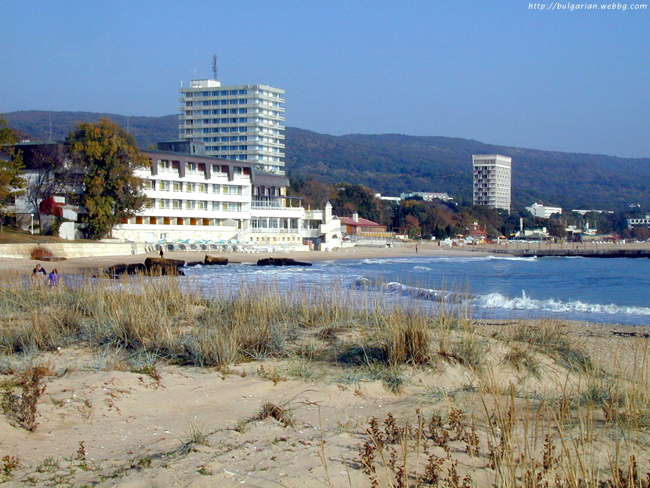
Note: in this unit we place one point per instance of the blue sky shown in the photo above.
(498, 71)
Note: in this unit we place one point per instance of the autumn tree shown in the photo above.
(315, 193)
(107, 156)
(12, 182)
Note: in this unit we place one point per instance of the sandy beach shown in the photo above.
(119, 417)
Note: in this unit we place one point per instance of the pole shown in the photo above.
(31, 226)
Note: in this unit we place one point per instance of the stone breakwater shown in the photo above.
(585, 253)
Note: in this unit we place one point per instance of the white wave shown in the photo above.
(409, 291)
(510, 258)
(496, 300)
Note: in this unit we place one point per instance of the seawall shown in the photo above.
(74, 250)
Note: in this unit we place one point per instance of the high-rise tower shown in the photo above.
(492, 180)
(243, 123)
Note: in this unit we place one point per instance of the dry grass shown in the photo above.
(535, 410)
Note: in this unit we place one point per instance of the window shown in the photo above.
(177, 186)
(163, 185)
(216, 189)
(202, 188)
(177, 205)
(190, 187)
(189, 205)
(201, 205)
(163, 203)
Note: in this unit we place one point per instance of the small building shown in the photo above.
(426, 196)
(639, 222)
(358, 227)
(543, 211)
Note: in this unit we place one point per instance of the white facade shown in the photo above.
(237, 123)
(190, 198)
(492, 180)
(639, 222)
(543, 211)
(203, 199)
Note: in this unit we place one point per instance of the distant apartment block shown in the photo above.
(492, 180)
(236, 123)
(543, 211)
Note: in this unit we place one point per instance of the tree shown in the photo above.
(316, 194)
(12, 182)
(356, 198)
(107, 157)
(50, 176)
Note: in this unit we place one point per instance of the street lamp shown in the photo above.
(31, 226)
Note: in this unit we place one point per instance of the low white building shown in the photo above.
(638, 222)
(543, 211)
(426, 196)
(193, 197)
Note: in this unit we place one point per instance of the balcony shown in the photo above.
(275, 203)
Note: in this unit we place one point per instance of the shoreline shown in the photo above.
(89, 264)
(81, 265)
(10, 267)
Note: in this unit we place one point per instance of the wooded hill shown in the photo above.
(394, 163)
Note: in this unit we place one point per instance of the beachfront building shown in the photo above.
(236, 123)
(190, 196)
(356, 227)
(492, 180)
(543, 211)
(196, 198)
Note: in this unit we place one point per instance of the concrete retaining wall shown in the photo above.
(75, 250)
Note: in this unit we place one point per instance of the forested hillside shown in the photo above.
(146, 130)
(393, 163)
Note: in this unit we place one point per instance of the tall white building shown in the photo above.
(492, 180)
(240, 123)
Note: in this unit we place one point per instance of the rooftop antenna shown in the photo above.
(214, 67)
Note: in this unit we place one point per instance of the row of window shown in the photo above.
(222, 111)
(179, 186)
(218, 130)
(168, 204)
(274, 223)
(270, 140)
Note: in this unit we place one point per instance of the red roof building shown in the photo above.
(358, 226)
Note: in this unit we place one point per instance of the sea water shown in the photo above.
(609, 290)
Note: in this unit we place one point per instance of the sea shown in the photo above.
(612, 290)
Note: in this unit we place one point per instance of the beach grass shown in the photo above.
(527, 406)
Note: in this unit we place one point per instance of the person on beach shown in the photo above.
(38, 269)
(53, 278)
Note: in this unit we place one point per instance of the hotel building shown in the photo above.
(237, 123)
(492, 180)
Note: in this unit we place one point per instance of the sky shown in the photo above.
(500, 72)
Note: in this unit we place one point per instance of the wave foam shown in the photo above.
(496, 300)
